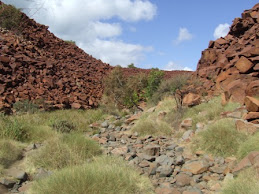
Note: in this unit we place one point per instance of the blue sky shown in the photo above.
(167, 34)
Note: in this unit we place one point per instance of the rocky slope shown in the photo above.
(230, 64)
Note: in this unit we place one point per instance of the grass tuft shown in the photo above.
(245, 183)
(64, 150)
(220, 139)
(10, 152)
(105, 175)
(251, 144)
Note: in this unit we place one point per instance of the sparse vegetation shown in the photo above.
(245, 183)
(10, 152)
(154, 79)
(208, 111)
(220, 139)
(70, 42)
(251, 144)
(25, 106)
(63, 126)
(10, 17)
(104, 175)
(169, 88)
(65, 150)
(132, 66)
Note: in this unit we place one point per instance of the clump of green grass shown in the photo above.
(220, 139)
(63, 126)
(106, 175)
(13, 128)
(25, 106)
(251, 144)
(245, 183)
(65, 150)
(208, 111)
(152, 127)
(10, 152)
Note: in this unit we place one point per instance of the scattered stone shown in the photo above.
(9, 183)
(196, 166)
(105, 124)
(164, 170)
(164, 160)
(152, 150)
(246, 127)
(186, 123)
(183, 179)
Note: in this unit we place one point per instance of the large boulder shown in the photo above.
(191, 99)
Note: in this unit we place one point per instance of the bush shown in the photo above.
(251, 144)
(124, 92)
(105, 175)
(10, 152)
(169, 87)
(65, 150)
(132, 66)
(70, 42)
(154, 79)
(12, 128)
(10, 17)
(148, 126)
(245, 183)
(25, 107)
(220, 139)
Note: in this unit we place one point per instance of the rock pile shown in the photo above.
(167, 161)
(38, 65)
(231, 64)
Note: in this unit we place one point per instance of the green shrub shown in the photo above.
(65, 150)
(154, 79)
(220, 139)
(25, 106)
(251, 144)
(122, 91)
(10, 17)
(105, 175)
(132, 66)
(70, 42)
(245, 183)
(169, 87)
(13, 128)
(10, 152)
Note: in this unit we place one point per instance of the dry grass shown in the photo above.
(64, 150)
(245, 183)
(105, 175)
(220, 139)
(10, 152)
(251, 144)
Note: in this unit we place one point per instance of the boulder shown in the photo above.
(183, 179)
(196, 166)
(246, 127)
(244, 65)
(191, 99)
(252, 104)
(248, 161)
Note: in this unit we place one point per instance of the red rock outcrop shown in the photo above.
(230, 65)
(39, 66)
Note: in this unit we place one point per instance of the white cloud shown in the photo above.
(174, 66)
(88, 23)
(221, 30)
(183, 35)
(116, 52)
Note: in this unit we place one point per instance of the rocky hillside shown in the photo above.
(38, 65)
(230, 64)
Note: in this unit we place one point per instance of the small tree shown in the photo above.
(10, 17)
(154, 79)
(131, 66)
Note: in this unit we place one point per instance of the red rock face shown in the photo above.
(230, 64)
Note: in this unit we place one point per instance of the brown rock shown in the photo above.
(253, 88)
(252, 104)
(195, 167)
(76, 105)
(191, 99)
(183, 179)
(167, 191)
(252, 116)
(120, 151)
(152, 150)
(244, 65)
(251, 159)
(246, 127)
(186, 123)
(4, 59)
